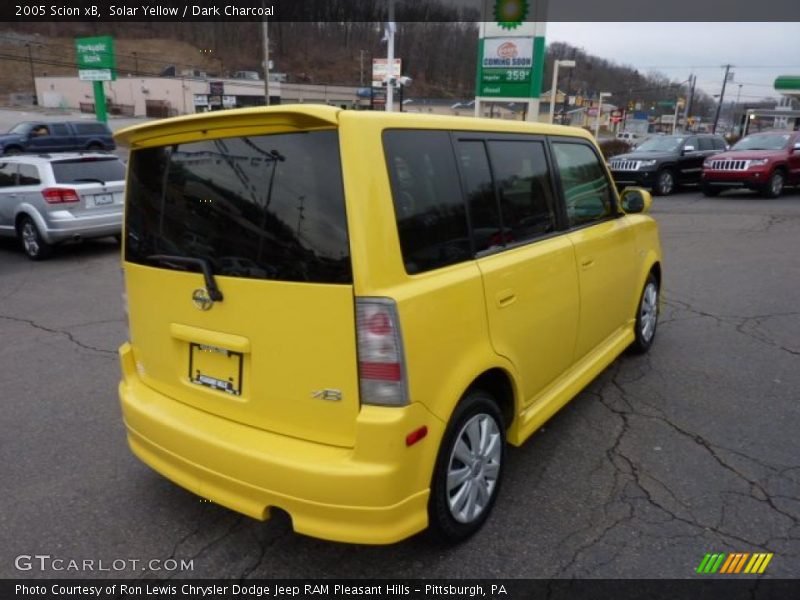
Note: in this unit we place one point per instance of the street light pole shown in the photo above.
(599, 112)
(390, 26)
(556, 64)
(265, 41)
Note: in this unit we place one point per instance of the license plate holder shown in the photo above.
(215, 368)
(102, 200)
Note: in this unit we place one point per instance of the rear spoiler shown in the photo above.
(263, 120)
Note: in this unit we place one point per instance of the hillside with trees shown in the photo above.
(439, 56)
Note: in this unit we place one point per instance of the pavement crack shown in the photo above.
(61, 332)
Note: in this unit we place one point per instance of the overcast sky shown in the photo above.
(759, 51)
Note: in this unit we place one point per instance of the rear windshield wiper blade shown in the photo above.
(205, 265)
(92, 179)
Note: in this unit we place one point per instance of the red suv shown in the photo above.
(765, 162)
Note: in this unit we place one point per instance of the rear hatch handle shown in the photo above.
(205, 265)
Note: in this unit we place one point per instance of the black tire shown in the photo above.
(710, 191)
(12, 151)
(774, 186)
(646, 312)
(665, 183)
(476, 409)
(33, 244)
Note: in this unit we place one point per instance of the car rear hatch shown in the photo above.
(255, 199)
(87, 185)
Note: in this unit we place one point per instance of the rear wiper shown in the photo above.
(94, 179)
(205, 265)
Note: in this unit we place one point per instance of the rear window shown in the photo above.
(261, 207)
(88, 170)
(91, 129)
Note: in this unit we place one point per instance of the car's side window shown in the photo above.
(29, 175)
(59, 129)
(527, 202)
(428, 204)
(719, 144)
(706, 144)
(690, 143)
(484, 211)
(587, 192)
(8, 174)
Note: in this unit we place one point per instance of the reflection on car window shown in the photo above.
(430, 212)
(523, 181)
(261, 207)
(29, 175)
(661, 143)
(484, 212)
(8, 174)
(586, 189)
(763, 142)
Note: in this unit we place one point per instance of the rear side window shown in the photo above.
(719, 144)
(261, 207)
(59, 129)
(706, 143)
(430, 211)
(523, 182)
(586, 189)
(88, 170)
(8, 174)
(91, 129)
(29, 175)
(484, 212)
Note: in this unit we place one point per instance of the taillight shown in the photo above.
(381, 365)
(60, 195)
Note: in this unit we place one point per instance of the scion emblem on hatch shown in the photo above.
(201, 299)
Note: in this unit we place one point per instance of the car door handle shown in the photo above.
(505, 298)
(587, 263)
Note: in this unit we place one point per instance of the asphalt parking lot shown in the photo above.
(691, 449)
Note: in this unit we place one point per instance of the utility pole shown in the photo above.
(688, 108)
(33, 76)
(265, 41)
(361, 66)
(721, 98)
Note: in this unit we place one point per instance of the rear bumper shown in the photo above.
(62, 225)
(375, 493)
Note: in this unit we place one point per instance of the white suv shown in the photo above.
(48, 199)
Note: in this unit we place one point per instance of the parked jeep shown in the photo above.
(764, 162)
(665, 162)
(41, 137)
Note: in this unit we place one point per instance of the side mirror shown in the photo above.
(635, 200)
(687, 149)
(796, 146)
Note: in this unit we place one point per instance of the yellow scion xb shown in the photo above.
(349, 315)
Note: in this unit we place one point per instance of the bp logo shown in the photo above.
(510, 14)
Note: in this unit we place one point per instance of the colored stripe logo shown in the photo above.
(735, 563)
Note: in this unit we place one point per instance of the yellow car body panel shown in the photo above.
(344, 470)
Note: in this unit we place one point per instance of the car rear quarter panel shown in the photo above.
(442, 312)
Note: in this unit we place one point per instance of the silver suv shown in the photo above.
(48, 199)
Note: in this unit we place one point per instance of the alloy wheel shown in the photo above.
(474, 467)
(649, 312)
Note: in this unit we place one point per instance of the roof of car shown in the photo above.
(284, 118)
(48, 158)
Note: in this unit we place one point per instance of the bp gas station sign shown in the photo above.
(506, 67)
(511, 53)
